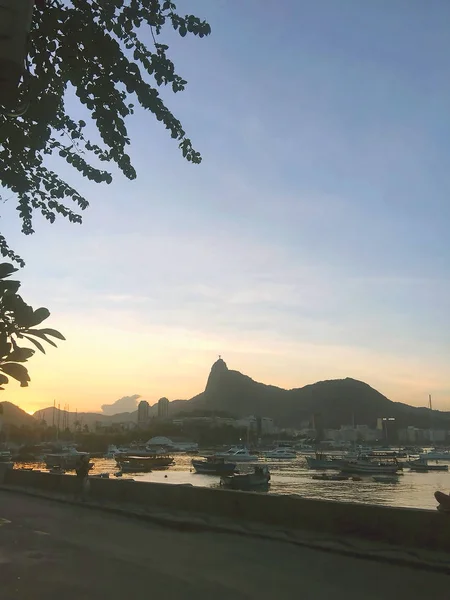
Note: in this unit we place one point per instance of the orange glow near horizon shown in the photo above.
(176, 364)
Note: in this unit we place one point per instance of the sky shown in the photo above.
(311, 243)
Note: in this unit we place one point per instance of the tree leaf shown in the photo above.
(42, 336)
(36, 343)
(39, 315)
(53, 333)
(6, 270)
(17, 371)
(19, 355)
(91, 47)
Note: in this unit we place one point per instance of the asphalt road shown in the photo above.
(53, 551)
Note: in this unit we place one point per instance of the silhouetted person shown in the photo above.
(82, 472)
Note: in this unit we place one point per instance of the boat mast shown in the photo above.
(431, 417)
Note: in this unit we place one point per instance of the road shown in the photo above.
(50, 551)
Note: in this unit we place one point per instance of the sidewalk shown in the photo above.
(184, 521)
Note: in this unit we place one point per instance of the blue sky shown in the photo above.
(311, 243)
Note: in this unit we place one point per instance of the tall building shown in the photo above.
(143, 413)
(163, 408)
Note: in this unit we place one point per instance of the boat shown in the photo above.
(323, 462)
(213, 465)
(5, 456)
(435, 455)
(238, 455)
(423, 466)
(326, 477)
(385, 478)
(367, 466)
(113, 451)
(131, 463)
(67, 459)
(281, 453)
(136, 464)
(259, 479)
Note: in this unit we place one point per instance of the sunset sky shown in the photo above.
(312, 242)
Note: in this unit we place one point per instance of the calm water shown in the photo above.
(293, 477)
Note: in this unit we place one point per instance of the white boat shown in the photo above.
(67, 459)
(282, 452)
(236, 454)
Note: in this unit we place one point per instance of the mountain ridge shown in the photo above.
(334, 402)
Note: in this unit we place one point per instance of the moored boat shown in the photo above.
(133, 464)
(281, 453)
(423, 466)
(236, 454)
(67, 459)
(259, 479)
(385, 478)
(323, 462)
(5, 456)
(371, 467)
(435, 455)
(213, 465)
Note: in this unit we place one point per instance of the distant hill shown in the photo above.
(336, 402)
(13, 415)
(84, 418)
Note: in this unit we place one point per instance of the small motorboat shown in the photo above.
(213, 465)
(385, 478)
(423, 466)
(237, 454)
(143, 463)
(327, 477)
(258, 480)
(282, 453)
(136, 464)
(68, 459)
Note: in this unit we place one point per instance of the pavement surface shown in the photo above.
(50, 550)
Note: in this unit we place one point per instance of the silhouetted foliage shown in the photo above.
(18, 322)
(92, 50)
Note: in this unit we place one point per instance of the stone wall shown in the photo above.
(400, 526)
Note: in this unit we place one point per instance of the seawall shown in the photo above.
(405, 527)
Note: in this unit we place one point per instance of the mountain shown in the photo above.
(50, 415)
(334, 402)
(13, 415)
(329, 403)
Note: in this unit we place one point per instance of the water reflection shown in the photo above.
(293, 477)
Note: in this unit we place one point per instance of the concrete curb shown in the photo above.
(189, 522)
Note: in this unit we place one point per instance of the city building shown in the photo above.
(348, 433)
(143, 413)
(414, 435)
(163, 408)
